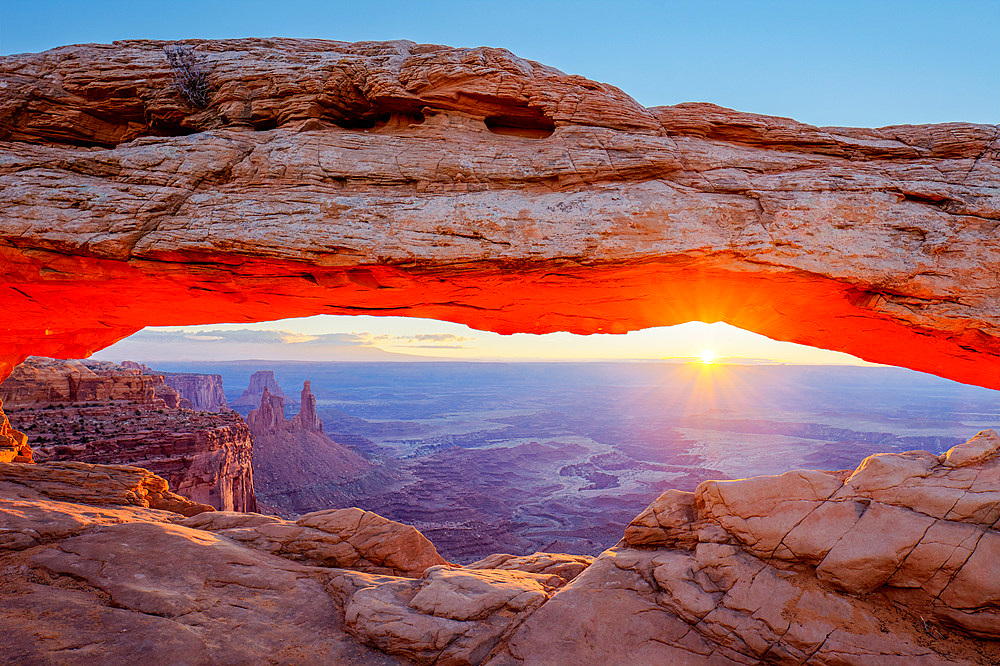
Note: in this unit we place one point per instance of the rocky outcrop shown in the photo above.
(164, 593)
(13, 443)
(306, 419)
(260, 382)
(451, 616)
(103, 413)
(99, 485)
(45, 381)
(566, 567)
(893, 562)
(474, 186)
(349, 538)
(202, 392)
(295, 465)
(195, 391)
(881, 564)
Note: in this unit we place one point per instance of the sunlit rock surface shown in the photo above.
(475, 186)
(94, 484)
(895, 562)
(335, 538)
(101, 412)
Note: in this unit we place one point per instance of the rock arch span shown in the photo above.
(474, 186)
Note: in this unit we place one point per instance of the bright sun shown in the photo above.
(707, 356)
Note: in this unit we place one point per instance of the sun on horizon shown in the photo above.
(707, 356)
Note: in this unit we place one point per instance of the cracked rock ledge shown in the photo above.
(895, 562)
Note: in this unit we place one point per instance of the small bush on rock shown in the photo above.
(190, 74)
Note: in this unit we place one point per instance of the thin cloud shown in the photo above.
(281, 338)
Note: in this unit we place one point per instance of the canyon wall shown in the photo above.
(195, 391)
(98, 412)
(201, 392)
(296, 465)
(393, 178)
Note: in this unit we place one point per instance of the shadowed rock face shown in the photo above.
(474, 186)
(294, 456)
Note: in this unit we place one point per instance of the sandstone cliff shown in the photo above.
(894, 562)
(295, 465)
(201, 392)
(195, 391)
(43, 381)
(479, 187)
(98, 412)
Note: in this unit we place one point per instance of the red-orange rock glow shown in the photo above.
(473, 186)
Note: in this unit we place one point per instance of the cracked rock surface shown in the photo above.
(896, 562)
(475, 186)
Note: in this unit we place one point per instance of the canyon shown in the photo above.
(100, 412)
(199, 392)
(478, 187)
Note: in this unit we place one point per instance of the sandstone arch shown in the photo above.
(326, 177)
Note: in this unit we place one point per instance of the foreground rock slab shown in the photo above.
(336, 538)
(85, 483)
(146, 591)
(474, 186)
(895, 562)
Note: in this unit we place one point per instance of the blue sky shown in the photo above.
(869, 63)
(825, 63)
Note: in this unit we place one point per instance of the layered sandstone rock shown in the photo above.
(45, 381)
(451, 616)
(295, 465)
(94, 484)
(13, 443)
(195, 391)
(475, 186)
(160, 593)
(335, 538)
(725, 575)
(98, 412)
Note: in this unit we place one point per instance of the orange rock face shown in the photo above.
(100, 412)
(474, 186)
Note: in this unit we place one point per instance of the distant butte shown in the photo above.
(471, 185)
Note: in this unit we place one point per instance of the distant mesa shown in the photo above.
(260, 381)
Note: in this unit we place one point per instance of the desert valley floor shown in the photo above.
(519, 457)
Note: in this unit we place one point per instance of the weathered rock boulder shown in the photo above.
(94, 484)
(474, 186)
(350, 538)
(566, 567)
(453, 617)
